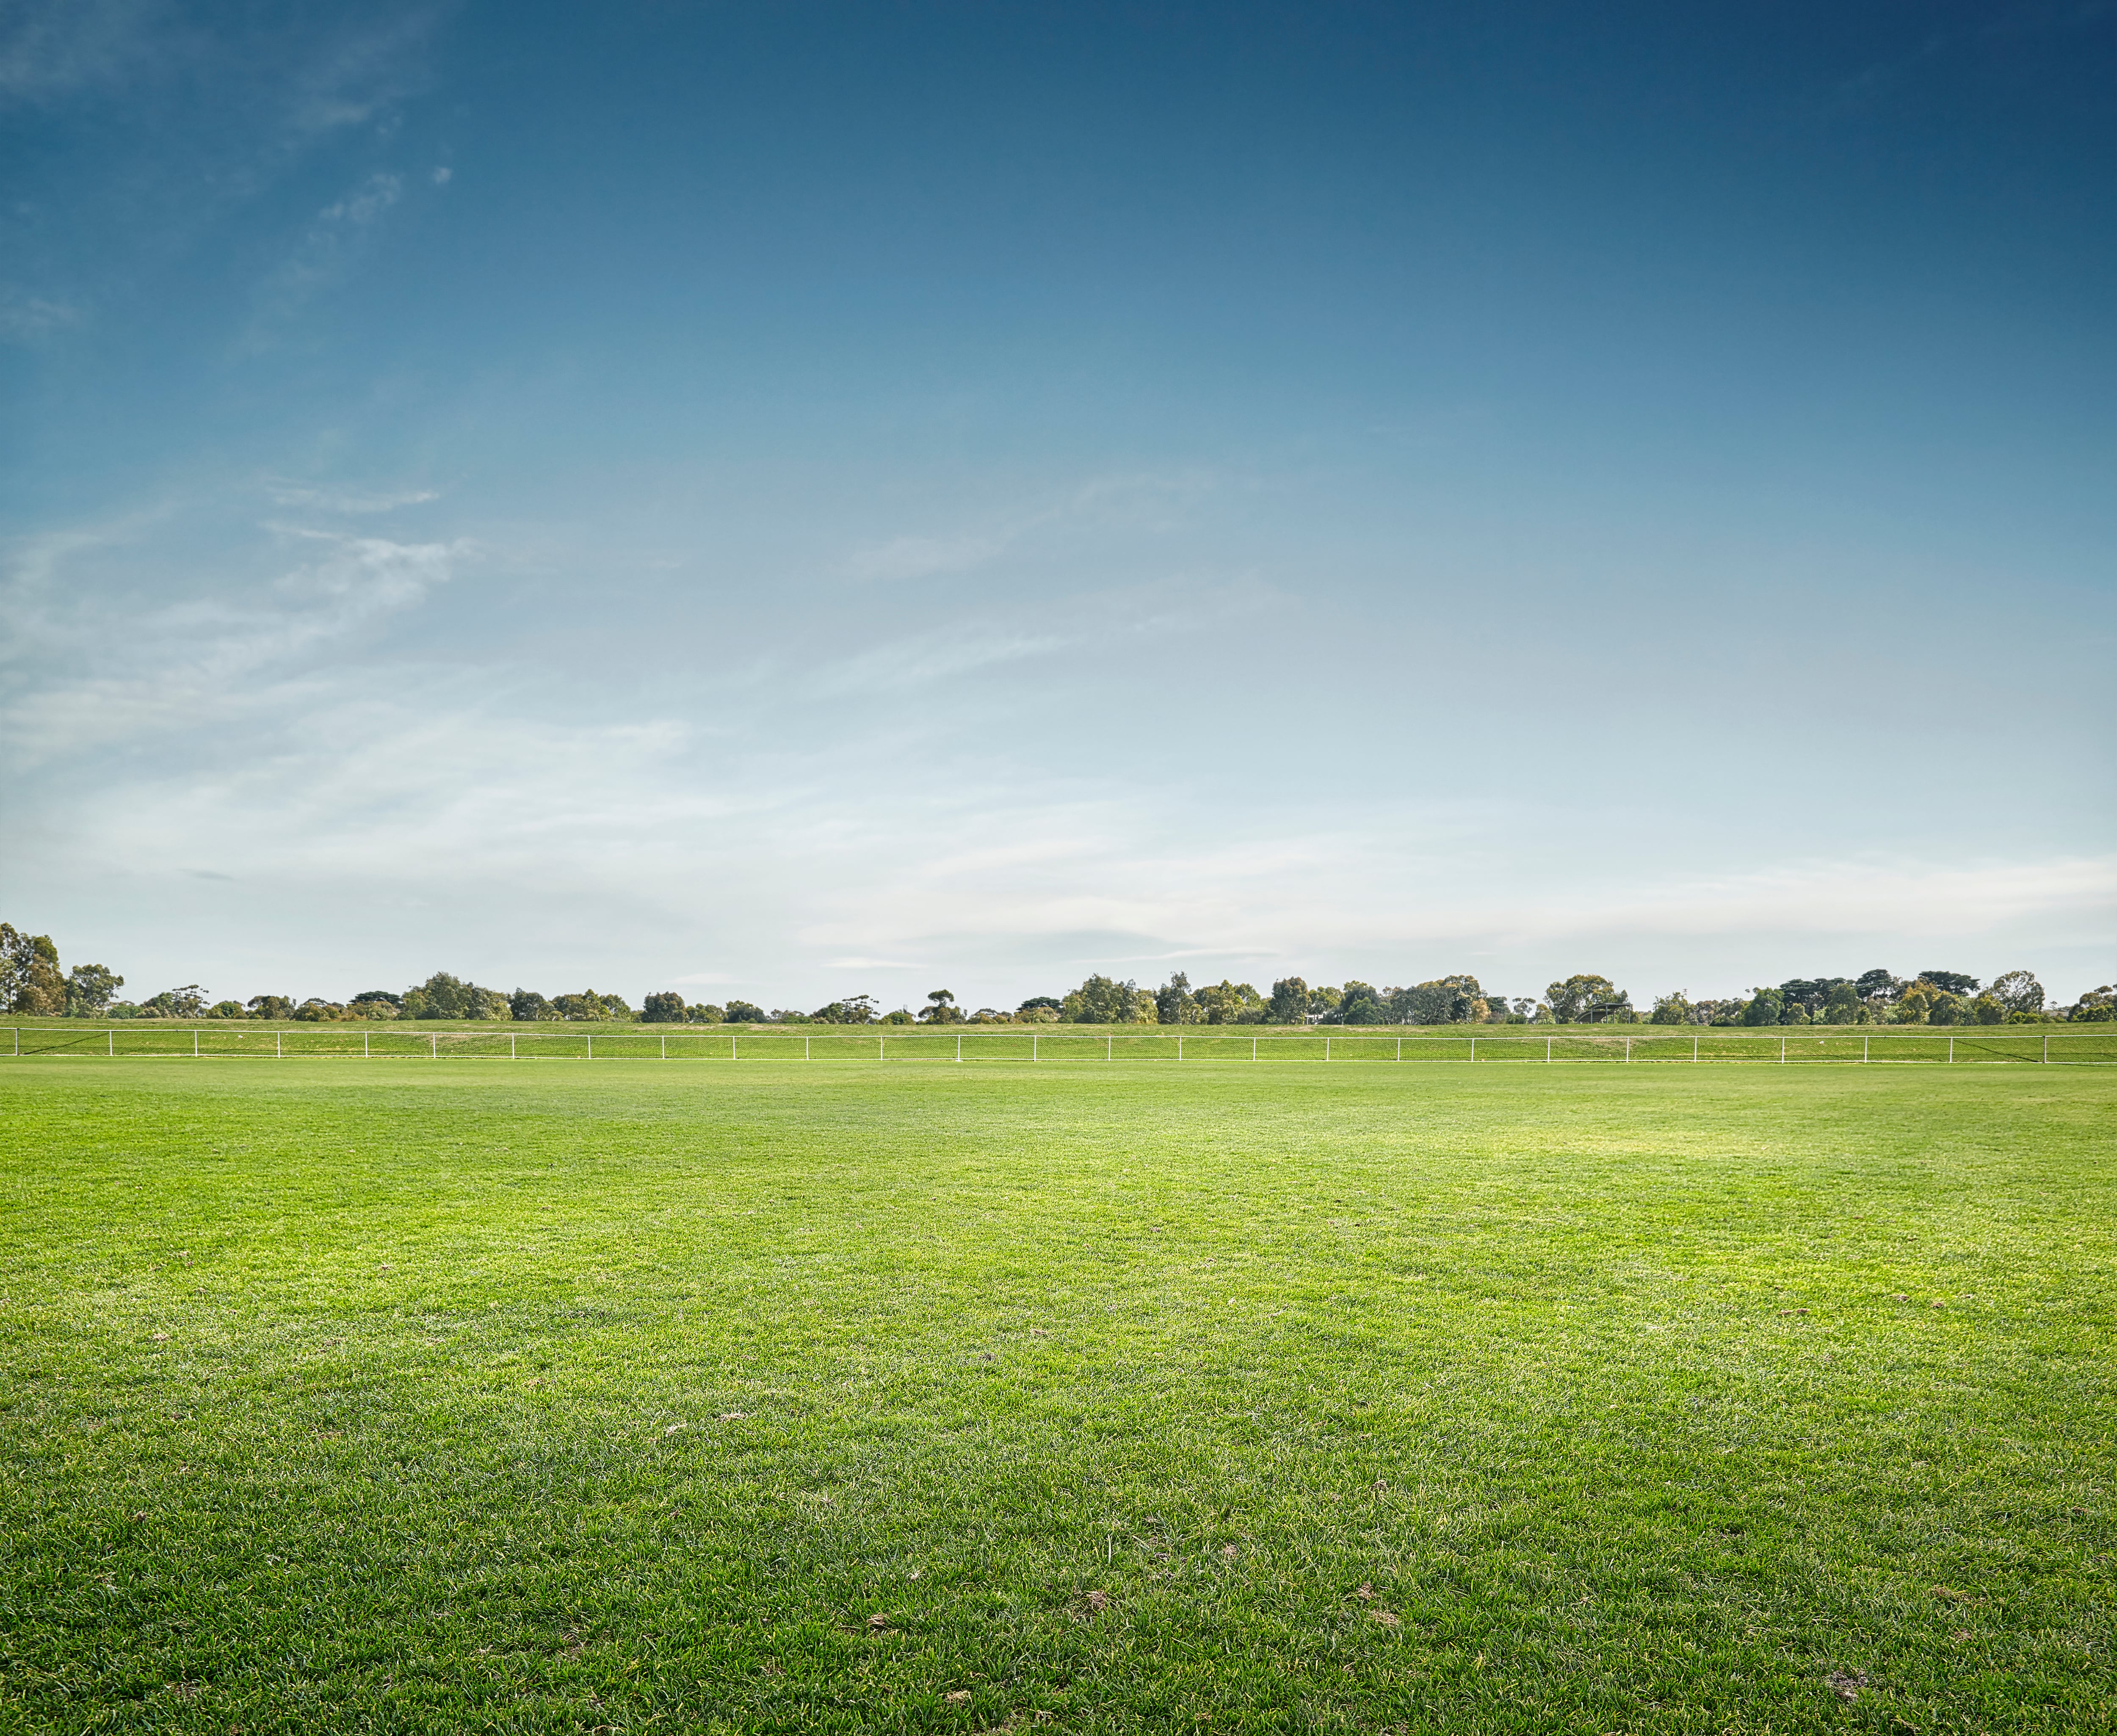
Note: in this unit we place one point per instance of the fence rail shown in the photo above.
(1971, 1045)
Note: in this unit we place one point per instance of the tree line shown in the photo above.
(32, 982)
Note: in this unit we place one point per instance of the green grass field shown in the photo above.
(1217, 1397)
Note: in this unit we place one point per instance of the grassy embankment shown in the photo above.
(1230, 1396)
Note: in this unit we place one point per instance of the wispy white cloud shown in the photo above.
(31, 319)
(1145, 499)
(338, 235)
(53, 48)
(917, 661)
(918, 557)
(349, 501)
(91, 669)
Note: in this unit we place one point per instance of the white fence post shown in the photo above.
(591, 1045)
(112, 1036)
(1474, 1048)
(1782, 1052)
(1252, 1048)
(433, 1045)
(2047, 1048)
(1694, 1046)
(1109, 1047)
(1400, 1049)
(1628, 1047)
(959, 1046)
(1864, 1042)
(194, 1044)
(1951, 1047)
(1547, 1049)
(279, 1046)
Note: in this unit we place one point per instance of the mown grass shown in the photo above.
(1230, 1396)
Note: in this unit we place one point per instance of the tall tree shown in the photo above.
(29, 978)
(1174, 1003)
(1874, 986)
(2018, 991)
(1290, 1002)
(848, 1010)
(1580, 999)
(89, 988)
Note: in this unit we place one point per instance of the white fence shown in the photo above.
(164, 1038)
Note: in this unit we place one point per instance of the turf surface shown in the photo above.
(1235, 1397)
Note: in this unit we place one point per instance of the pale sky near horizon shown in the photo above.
(796, 500)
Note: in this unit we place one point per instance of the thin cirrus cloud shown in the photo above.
(29, 318)
(349, 501)
(106, 670)
(339, 234)
(920, 557)
(920, 660)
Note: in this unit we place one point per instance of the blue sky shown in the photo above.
(796, 501)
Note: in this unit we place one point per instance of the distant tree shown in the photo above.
(1226, 1002)
(1842, 1005)
(1288, 1004)
(992, 1015)
(1766, 1007)
(370, 1004)
(1103, 1000)
(1585, 999)
(442, 996)
(317, 1010)
(1360, 1003)
(29, 977)
(902, 1015)
(665, 1008)
(1174, 1003)
(1952, 981)
(1874, 986)
(2017, 991)
(1451, 1000)
(1811, 994)
(89, 989)
(940, 1008)
(1987, 1009)
(745, 1012)
(187, 1003)
(1673, 1008)
(1039, 1011)
(225, 1010)
(590, 1007)
(704, 1012)
(1051, 1001)
(849, 1010)
(384, 994)
(2097, 1006)
(270, 1006)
